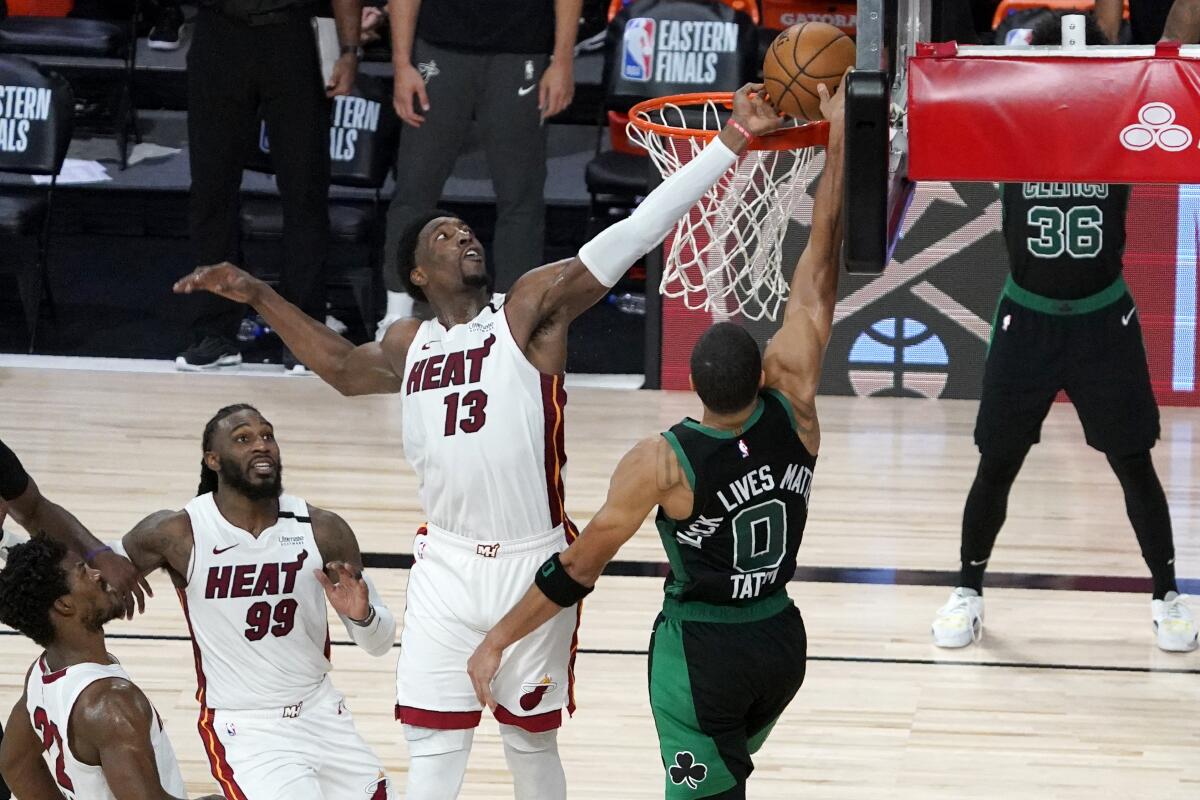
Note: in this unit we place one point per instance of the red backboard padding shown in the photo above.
(1060, 119)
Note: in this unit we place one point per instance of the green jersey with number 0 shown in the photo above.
(1065, 240)
(751, 492)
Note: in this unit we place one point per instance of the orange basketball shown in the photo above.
(799, 59)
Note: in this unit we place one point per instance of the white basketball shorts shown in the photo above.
(310, 750)
(457, 590)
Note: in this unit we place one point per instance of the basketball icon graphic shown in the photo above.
(898, 357)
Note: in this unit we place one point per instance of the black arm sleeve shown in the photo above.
(13, 478)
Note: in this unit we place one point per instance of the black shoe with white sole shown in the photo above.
(213, 352)
(165, 35)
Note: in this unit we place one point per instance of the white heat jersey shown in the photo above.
(483, 428)
(255, 610)
(50, 697)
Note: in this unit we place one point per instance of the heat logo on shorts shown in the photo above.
(638, 61)
(534, 692)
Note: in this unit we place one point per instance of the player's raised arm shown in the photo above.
(792, 361)
(350, 591)
(110, 726)
(163, 539)
(21, 763)
(557, 293)
(36, 513)
(372, 368)
(566, 578)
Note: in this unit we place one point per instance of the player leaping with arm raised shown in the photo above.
(733, 496)
(445, 266)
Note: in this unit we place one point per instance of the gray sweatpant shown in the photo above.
(494, 91)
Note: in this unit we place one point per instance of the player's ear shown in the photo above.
(212, 461)
(418, 277)
(64, 606)
(691, 382)
(762, 378)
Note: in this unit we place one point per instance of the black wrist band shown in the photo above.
(555, 583)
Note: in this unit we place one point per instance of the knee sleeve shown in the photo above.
(1000, 471)
(436, 742)
(522, 741)
(533, 760)
(437, 762)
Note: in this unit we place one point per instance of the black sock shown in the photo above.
(983, 515)
(1146, 504)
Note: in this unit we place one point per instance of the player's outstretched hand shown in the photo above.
(752, 111)
(120, 573)
(482, 666)
(222, 279)
(348, 595)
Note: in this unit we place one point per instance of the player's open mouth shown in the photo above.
(472, 255)
(262, 466)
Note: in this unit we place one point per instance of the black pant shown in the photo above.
(234, 71)
(498, 92)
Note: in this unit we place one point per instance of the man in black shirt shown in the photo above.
(1066, 322)
(506, 65)
(247, 57)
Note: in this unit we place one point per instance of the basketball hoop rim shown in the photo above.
(797, 137)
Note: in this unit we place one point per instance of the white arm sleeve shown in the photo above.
(614, 249)
(378, 637)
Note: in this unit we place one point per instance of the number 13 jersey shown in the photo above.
(255, 609)
(483, 429)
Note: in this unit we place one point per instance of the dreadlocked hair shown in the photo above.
(208, 477)
(30, 583)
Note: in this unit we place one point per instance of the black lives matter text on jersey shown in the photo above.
(759, 528)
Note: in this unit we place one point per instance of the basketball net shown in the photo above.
(725, 256)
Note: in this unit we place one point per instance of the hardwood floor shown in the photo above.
(1066, 696)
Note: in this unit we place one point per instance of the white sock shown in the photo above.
(534, 763)
(437, 762)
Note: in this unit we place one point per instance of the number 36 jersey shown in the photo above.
(255, 609)
(483, 429)
(751, 493)
(1064, 240)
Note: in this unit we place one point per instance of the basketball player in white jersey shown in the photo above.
(82, 729)
(483, 429)
(246, 560)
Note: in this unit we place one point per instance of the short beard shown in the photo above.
(235, 480)
(96, 621)
(483, 280)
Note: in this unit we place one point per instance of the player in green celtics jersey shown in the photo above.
(732, 489)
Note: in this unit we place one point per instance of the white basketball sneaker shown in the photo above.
(1174, 625)
(959, 622)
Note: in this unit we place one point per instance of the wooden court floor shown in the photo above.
(1066, 697)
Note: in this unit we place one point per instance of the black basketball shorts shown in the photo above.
(1099, 360)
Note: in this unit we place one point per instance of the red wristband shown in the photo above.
(740, 128)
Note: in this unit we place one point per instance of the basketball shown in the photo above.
(801, 58)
